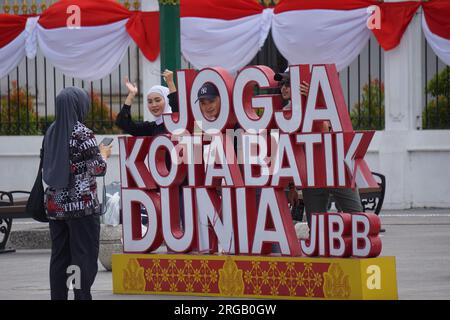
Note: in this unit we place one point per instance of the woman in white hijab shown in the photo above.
(160, 100)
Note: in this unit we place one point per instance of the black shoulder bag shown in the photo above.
(36, 204)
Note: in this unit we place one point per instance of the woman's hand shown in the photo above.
(304, 88)
(132, 88)
(105, 151)
(132, 91)
(168, 77)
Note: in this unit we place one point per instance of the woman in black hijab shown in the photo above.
(71, 162)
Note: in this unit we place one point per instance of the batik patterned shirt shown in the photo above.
(80, 198)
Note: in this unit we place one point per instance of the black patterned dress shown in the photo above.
(80, 198)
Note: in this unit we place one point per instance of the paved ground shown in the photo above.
(419, 239)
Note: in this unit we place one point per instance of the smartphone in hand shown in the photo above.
(107, 141)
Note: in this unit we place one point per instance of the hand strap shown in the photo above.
(104, 196)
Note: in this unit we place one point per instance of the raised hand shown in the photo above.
(168, 77)
(304, 88)
(132, 88)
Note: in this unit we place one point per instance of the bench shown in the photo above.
(11, 208)
(371, 198)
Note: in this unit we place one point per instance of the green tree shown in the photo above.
(17, 116)
(369, 116)
(436, 115)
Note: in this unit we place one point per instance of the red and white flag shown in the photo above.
(90, 50)
(12, 42)
(227, 34)
(436, 27)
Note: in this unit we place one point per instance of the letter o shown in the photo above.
(155, 166)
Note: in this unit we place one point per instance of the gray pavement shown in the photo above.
(418, 238)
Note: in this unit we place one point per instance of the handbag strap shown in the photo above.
(104, 196)
(41, 155)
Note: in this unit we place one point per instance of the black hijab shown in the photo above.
(72, 105)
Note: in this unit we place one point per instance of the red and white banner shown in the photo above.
(329, 32)
(89, 50)
(395, 18)
(12, 42)
(216, 33)
(436, 27)
(223, 33)
(229, 34)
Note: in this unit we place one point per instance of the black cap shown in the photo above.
(207, 91)
(283, 78)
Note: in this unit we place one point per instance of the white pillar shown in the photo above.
(403, 103)
(403, 80)
(149, 69)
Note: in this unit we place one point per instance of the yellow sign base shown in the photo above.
(255, 276)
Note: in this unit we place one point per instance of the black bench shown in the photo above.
(371, 198)
(11, 208)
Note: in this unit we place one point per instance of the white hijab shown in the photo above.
(163, 92)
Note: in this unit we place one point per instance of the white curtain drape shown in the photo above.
(92, 52)
(440, 45)
(12, 54)
(302, 36)
(321, 36)
(230, 44)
